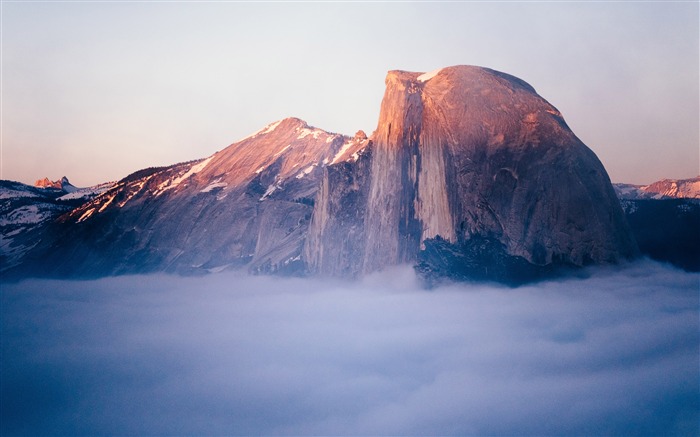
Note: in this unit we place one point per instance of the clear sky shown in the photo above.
(97, 90)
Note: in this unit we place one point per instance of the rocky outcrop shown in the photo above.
(61, 184)
(467, 152)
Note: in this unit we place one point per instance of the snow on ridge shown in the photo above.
(88, 192)
(266, 130)
(427, 76)
(270, 127)
(172, 183)
(313, 131)
(9, 193)
(304, 133)
(342, 151)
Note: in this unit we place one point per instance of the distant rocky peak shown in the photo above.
(663, 189)
(61, 184)
(46, 183)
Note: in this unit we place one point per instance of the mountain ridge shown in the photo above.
(665, 188)
(457, 157)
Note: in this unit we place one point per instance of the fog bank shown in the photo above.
(613, 354)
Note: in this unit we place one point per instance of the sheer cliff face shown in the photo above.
(465, 152)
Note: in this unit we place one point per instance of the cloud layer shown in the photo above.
(612, 354)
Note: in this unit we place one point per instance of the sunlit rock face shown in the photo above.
(461, 153)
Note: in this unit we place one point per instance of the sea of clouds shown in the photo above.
(613, 353)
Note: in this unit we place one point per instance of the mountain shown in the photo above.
(62, 184)
(247, 205)
(24, 213)
(663, 189)
(665, 219)
(470, 174)
(27, 212)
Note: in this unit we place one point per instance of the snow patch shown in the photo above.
(134, 190)
(84, 193)
(266, 130)
(194, 170)
(270, 127)
(306, 171)
(427, 76)
(271, 189)
(283, 150)
(305, 132)
(86, 215)
(213, 185)
(344, 148)
(11, 194)
(29, 214)
(106, 204)
(290, 260)
(172, 183)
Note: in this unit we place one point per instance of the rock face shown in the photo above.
(469, 174)
(47, 183)
(459, 155)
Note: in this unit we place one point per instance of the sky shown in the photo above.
(614, 353)
(97, 90)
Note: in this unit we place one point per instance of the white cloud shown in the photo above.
(614, 353)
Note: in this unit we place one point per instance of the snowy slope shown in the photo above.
(26, 211)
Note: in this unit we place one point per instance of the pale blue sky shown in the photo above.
(95, 91)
